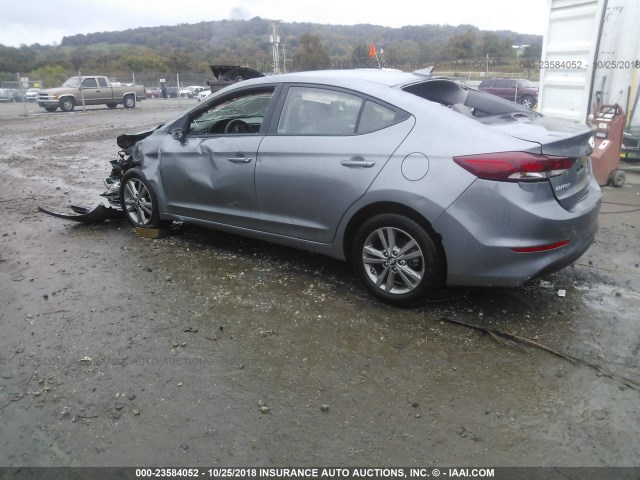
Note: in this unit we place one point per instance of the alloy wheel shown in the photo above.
(393, 260)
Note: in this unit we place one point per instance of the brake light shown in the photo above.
(515, 166)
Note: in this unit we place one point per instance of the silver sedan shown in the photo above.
(417, 181)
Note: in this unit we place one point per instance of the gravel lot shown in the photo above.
(208, 349)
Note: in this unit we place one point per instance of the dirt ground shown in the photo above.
(121, 350)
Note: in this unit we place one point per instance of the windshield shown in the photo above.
(72, 82)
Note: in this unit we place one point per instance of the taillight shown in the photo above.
(515, 166)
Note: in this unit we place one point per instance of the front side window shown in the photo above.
(243, 114)
(500, 84)
(317, 111)
(89, 83)
(102, 82)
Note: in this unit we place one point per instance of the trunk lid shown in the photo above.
(555, 138)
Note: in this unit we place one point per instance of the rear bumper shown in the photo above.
(482, 226)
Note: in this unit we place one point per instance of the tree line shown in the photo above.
(305, 46)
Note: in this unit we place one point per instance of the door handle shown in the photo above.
(357, 163)
(239, 159)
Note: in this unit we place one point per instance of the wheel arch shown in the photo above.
(68, 96)
(131, 95)
(378, 208)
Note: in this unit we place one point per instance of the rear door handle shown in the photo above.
(239, 159)
(357, 163)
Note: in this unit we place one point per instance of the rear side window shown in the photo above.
(486, 83)
(321, 111)
(316, 111)
(102, 82)
(500, 84)
(375, 117)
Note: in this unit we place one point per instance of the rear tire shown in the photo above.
(129, 101)
(112, 105)
(396, 259)
(528, 101)
(50, 109)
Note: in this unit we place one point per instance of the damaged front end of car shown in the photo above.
(110, 207)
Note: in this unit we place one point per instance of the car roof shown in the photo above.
(346, 78)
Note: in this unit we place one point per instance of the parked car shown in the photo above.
(521, 90)
(173, 92)
(90, 90)
(32, 94)
(153, 92)
(203, 94)
(191, 91)
(417, 182)
(10, 95)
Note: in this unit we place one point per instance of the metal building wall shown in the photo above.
(590, 56)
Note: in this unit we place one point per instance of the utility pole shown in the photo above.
(284, 59)
(274, 38)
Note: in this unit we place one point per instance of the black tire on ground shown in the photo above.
(112, 105)
(617, 178)
(129, 101)
(67, 104)
(138, 201)
(528, 101)
(50, 109)
(396, 259)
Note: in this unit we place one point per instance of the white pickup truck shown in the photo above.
(92, 90)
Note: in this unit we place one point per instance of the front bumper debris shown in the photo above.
(97, 214)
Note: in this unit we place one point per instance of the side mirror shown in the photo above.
(178, 134)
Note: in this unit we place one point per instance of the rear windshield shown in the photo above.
(466, 101)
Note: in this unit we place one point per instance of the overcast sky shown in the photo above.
(47, 21)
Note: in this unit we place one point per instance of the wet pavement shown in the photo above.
(204, 348)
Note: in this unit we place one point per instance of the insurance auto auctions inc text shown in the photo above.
(373, 472)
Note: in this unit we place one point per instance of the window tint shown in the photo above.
(500, 84)
(316, 111)
(102, 82)
(375, 117)
(246, 111)
(511, 84)
(486, 83)
(89, 83)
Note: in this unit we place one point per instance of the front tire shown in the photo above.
(67, 104)
(396, 259)
(139, 201)
(112, 105)
(50, 109)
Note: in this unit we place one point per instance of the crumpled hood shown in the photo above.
(128, 140)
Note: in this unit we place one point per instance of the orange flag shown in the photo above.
(372, 50)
